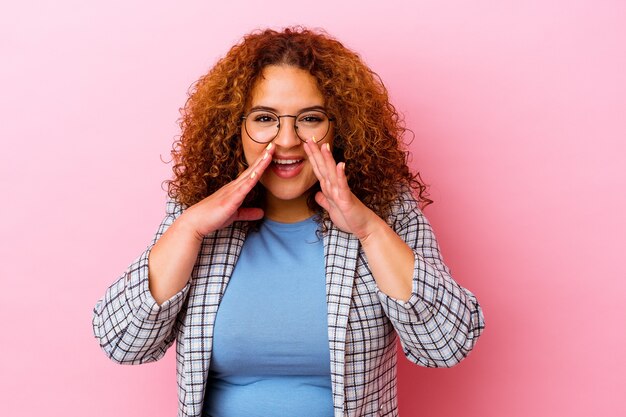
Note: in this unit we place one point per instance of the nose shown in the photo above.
(287, 136)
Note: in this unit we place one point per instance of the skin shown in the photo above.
(390, 259)
(287, 90)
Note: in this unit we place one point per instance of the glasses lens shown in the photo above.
(312, 124)
(261, 126)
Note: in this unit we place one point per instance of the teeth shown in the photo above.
(286, 161)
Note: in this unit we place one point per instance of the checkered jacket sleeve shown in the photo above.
(131, 326)
(441, 321)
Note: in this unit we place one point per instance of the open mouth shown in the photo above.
(286, 164)
(287, 168)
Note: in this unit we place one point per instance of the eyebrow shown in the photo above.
(267, 108)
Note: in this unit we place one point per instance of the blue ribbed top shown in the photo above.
(270, 347)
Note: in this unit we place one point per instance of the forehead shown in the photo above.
(286, 88)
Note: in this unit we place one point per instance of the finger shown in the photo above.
(248, 214)
(342, 180)
(318, 160)
(236, 191)
(261, 163)
(265, 159)
(247, 180)
(321, 199)
(309, 149)
(327, 168)
(330, 166)
(257, 168)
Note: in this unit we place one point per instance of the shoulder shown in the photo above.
(173, 207)
(404, 205)
(406, 217)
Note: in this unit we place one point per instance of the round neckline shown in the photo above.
(289, 226)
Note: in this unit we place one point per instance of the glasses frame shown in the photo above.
(295, 128)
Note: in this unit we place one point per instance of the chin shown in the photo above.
(285, 193)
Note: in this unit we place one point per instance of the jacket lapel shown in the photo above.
(214, 267)
(341, 251)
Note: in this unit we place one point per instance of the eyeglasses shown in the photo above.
(263, 125)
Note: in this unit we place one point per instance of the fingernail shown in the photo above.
(269, 146)
(253, 175)
(313, 138)
(328, 146)
(266, 155)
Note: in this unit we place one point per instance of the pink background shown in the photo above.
(519, 111)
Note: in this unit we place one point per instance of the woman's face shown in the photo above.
(285, 90)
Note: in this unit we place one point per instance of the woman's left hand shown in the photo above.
(346, 211)
(390, 259)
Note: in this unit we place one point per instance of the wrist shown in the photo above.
(375, 226)
(187, 225)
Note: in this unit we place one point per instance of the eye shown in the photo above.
(264, 118)
(312, 118)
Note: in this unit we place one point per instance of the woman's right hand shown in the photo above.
(223, 207)
(173, 256)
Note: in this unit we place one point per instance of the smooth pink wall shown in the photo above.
(519, 111)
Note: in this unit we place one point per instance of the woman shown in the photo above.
(293, 252)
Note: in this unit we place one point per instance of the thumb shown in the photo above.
(321, 199)
(248, 214)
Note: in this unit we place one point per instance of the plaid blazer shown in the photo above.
(437, 326)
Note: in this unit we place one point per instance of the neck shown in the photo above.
(287, 211)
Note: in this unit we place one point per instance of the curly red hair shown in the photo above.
(368, 131)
